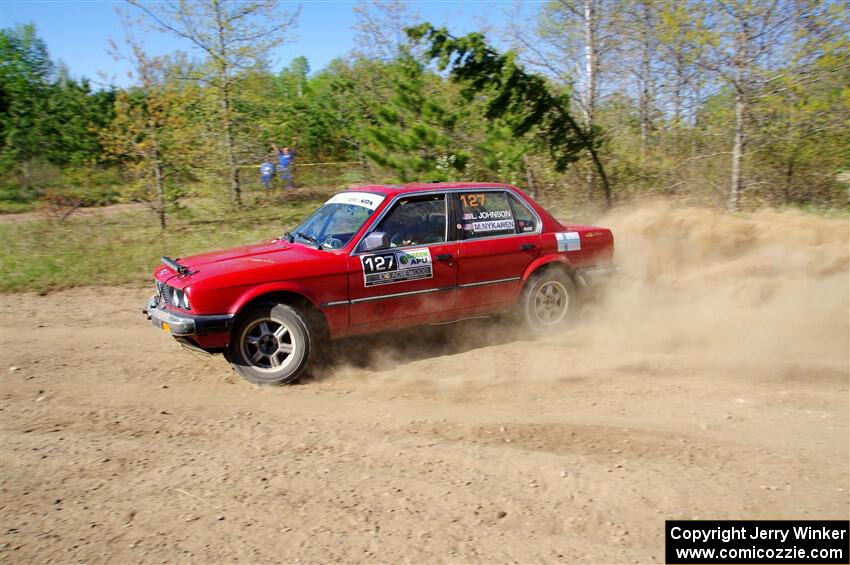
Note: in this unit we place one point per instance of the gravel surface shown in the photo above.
(711, 383)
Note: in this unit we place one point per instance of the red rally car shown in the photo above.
(377, 258)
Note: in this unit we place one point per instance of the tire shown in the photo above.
(548, 301)
(270, 344)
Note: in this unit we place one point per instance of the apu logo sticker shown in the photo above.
(390, 267)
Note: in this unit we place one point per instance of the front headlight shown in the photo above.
(175, 297)
(186, 304)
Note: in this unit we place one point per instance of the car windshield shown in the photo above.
(335, 223)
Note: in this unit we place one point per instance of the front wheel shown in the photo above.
(270, 344)
(548, 300)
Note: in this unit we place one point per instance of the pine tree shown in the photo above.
(413, 131)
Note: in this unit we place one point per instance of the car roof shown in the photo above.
(393, 189)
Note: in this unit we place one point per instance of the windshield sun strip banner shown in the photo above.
(365, 199)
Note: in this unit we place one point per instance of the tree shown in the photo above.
(76, 116)
(505, 155)
(348, 96)
(800, 114)
(25, 74)
(679, 49)
(413, 130)
(294, 78)
(235, 36)
(45, 115)
(575, 43)
(741, 42)
(153, 133)
(379, 28)
(525, 100)
(639, 28)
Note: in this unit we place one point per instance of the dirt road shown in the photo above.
(711, 382)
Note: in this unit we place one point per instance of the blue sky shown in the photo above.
(78, 32)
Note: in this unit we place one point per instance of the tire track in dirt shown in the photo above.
(700, 387)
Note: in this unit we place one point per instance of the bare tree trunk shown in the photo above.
(159, 178)
(364, 164)
(590, 58)
(606, 186)
(644, 78)
(789, 167)
(531, 189)
(733, 197)
(789, 176)
(25, 172)
(677, 93)
(596, 162)
(741, 85)
(235, 187)
(697, 123)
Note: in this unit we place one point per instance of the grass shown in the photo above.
(114, 249)
(16, 207)
(107, 248)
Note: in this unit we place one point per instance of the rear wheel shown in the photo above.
(270, 344)
(548, 300)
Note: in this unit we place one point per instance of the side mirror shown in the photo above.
(375, 241)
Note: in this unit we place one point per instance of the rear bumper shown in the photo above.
(595, 275)
(180, 324)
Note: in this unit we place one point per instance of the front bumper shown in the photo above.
(180, 324)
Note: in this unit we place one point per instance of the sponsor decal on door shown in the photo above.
(388, 267)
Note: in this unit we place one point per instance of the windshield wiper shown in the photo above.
(289, 236)
(309, 238)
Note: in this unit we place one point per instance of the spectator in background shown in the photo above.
(266, 174)
(285, 158)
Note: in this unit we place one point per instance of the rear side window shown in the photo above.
(419, 220)
(485, 214)
(526, 222)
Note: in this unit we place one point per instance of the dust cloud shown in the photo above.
(763, 286)
(759, 293)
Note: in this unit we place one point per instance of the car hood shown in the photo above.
(251, 264)
(272, 251)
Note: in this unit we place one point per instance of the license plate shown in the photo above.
(166, 327)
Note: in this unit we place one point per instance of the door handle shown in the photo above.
(444, 257)
(527, 246)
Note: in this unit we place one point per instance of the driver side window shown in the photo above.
(418, 220)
